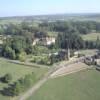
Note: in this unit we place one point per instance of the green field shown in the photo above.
(52, 34)
(17, 71)
(88, 51)
(84, 85)
(91, 37)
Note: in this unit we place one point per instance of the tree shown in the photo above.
(22, 56)
(16, 90)
(70, 39)
(98, 43)
(7, 78)
(18, 44)
(8, 52)
(41, 34)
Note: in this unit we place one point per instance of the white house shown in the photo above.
(1, 42)
(35, 42)
(44, 41)
(48, 40)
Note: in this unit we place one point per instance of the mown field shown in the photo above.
(83, 85)
(17, 71)
(91, 37)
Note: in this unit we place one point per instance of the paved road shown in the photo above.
(45, 78)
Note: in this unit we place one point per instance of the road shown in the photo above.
(28, 64)
(44, 79)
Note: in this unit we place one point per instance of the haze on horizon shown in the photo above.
(44, 7)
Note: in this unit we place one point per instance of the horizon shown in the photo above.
(11, 8)
(69, 14)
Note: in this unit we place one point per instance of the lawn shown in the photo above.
(17, 71)
(91, 37)
(83, 85)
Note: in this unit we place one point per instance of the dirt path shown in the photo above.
(45, 78)
(28, 64)
(69, 69)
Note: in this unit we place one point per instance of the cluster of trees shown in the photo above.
(45, 60)
(59, 57)
(6, 78)
(92, 44)
(83, 27)
(20, 41)
(22, 29)
(16, 47)
(19, 86)
(69, 39)
(73, 40)
(23, 34)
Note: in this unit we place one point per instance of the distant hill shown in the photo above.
(74, 17)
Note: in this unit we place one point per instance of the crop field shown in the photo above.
(83, 85)
(17, 71)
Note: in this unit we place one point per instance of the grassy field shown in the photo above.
(91, 37)
(52, 34)
(17, 71)
(84, 85)
(6, 21)
(88, 51)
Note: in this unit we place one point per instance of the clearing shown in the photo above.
(91, 36)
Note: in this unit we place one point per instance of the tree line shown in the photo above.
(82, 27)
(23, 34)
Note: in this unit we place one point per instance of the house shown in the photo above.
(44, 41)
(3, 38)
(35, 41)
(48, 41)
(56, 53)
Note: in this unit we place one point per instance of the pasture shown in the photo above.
(83, 85)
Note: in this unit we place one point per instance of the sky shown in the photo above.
(44, 7)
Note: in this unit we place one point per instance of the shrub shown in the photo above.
(7, 78)
(22, 56)
(19, 86)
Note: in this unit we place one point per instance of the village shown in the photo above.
(31, 56)
(62, 54)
